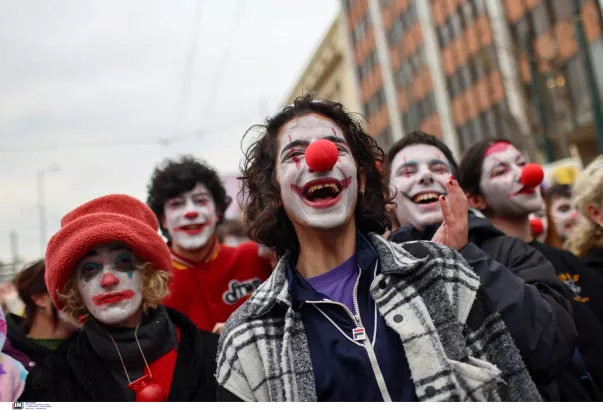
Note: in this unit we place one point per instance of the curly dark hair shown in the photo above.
(175, 177)
(260, 195)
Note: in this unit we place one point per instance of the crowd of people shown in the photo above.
(355, 275)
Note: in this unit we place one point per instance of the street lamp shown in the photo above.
(42, 203)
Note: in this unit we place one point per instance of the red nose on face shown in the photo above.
(321, 155)
(109, 280)
(537, 226)
(532, 175)
(191, 215)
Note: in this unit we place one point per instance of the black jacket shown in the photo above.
(75, 373)
(586, 304)
(19, 341)
(523, 286)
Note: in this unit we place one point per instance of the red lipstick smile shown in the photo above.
(322, 192)
(113, 297)
(192, 229)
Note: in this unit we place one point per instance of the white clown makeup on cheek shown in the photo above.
(564, 216)
(501, 185)
(419, 174)
(320, 200)
(191, 218)
(110, 284)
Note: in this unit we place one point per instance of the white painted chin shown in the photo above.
(327, 218)
(193, 242)
(420, 215)
(116, 313)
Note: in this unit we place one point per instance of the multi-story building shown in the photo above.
(467, 70)
(329, 73)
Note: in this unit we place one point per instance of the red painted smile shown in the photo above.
(524, 191)
(192, 229)
(113, 297)
(322, 192)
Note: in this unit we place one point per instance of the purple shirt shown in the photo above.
(338, 283)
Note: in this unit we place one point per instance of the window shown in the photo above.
(467, 12)
(454, 85)
(397, 31)
(478, 69)
(576, 79)
(542, 22)
(489, 124)
(465, 74)
(455, 24)
(521, 32)
(444, 36)
(562, 8)
(596, 54)
(477, 129)
(478, 6)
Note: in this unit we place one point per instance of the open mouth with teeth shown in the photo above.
(426, 198)
(192, 229)
(323, 192)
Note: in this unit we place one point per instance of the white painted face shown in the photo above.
(319, 200)
(564, 215)
(420, 173)
(191, 218)
(109, 283)
(501, 183)
(541, 216)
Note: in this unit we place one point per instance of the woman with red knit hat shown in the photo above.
(108, 268)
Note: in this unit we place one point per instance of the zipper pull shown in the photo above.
(359, 333)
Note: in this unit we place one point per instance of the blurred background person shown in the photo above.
(12, 373)
(586, 240)
(42, 328)
(9, 299)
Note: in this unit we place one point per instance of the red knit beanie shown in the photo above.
(111, 218)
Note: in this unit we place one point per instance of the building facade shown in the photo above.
(467, 70)
(329, 74)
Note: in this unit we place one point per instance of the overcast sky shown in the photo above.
(91, 86)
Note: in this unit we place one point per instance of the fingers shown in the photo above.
(456, 197)
(445, 208)
(218, 328)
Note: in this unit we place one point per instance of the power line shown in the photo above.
(188, 66)
(222, 62)
(161, 141)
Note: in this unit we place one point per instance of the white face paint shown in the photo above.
(501, 183)
(109, 283)
(323, 208)
(541, 216)
(420, 173)
(191, 218)
(564, 215)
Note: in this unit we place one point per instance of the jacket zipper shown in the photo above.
(366, 343)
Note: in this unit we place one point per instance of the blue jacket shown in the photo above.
(342, 367)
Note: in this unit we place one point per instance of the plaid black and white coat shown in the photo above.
(458, 348)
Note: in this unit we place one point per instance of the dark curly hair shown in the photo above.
(175, 177)
(260, 194)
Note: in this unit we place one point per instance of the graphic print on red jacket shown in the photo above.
(210, 291)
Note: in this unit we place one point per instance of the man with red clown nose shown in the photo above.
(501, 184)
(346, 315)
(109, 268)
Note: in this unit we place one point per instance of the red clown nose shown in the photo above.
(532, 175)
(321, 155)
(537, 226)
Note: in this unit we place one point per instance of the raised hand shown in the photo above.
(454, 231)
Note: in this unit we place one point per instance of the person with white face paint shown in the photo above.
(211, 279)
(108, 268)
(346, 315)
(495, 176)
(564, 213)
(520, 282)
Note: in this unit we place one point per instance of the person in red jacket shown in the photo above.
(210, 279)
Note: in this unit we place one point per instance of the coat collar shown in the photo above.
(394, 259)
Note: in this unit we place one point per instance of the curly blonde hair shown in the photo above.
(588, 190)
(154, 290)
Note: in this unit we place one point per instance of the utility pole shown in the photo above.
(42, 204)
